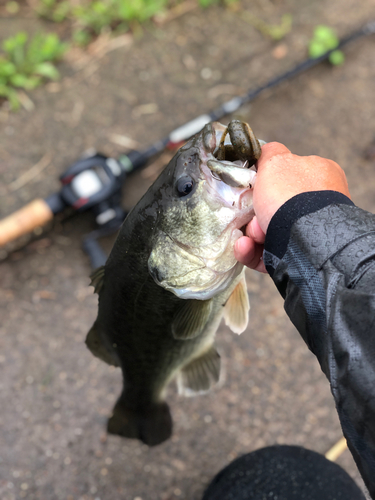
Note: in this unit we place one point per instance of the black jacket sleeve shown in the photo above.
(320, 252)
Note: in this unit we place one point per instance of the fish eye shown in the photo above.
(184, 186)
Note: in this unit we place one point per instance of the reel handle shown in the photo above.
(23, 221)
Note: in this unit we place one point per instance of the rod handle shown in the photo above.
(24, 220)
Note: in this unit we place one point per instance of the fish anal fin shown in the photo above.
(201, 374)
(97, 279)
(96, 345)
(191, 319)
(237, 307)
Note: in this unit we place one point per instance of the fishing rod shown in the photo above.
(94, 182)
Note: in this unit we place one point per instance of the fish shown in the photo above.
(172, 276)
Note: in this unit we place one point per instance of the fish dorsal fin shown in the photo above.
(97, 279)
(236, 311)
(200, 374)
(191, 319)
(98, 349)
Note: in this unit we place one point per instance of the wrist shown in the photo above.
(278, 230)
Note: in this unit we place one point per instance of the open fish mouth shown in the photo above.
(230, 175)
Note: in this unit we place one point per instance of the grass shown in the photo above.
(90, 18)
(26, 62)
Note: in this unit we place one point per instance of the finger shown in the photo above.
(248, 252)
(261, 268)
(270, 150)
(255, 232)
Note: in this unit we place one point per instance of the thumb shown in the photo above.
(254, 231)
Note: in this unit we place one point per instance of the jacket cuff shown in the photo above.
(278, 233)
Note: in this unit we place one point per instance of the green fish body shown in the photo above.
(169, 280)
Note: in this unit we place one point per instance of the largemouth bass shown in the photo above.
(172, 276)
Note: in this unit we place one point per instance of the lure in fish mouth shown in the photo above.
(179, 238)
(213, 187)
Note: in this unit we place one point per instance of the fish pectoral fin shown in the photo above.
(191, 319)
(201, 374)
(99, 349)
(97, 279)
(237, 307)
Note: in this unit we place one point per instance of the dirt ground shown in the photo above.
(55, 397)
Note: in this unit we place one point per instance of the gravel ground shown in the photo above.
(55, 397)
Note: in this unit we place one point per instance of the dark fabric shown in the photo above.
(327, 277)
(283, 473)
(281, 223)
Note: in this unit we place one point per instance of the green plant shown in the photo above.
(90, 17)
(274, 31)
(25, 63)
(324, 39)
(54, 10)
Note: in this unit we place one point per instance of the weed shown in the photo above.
(274, 31)
(325, 39)
(54, 10)
(90, 18)
(25, 63)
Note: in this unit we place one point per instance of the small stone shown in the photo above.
(206, 73)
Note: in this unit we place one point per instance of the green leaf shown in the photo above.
(7, 68)
(81, 37)
(11, 95)
(323, 40)
(337, 58)
(325, 34)
(47, 70)
(61, 11)
(316, 49)
(23, 81)
(14, 47)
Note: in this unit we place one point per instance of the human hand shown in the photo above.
(282, 175)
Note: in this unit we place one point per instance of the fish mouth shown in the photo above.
(229, 182)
